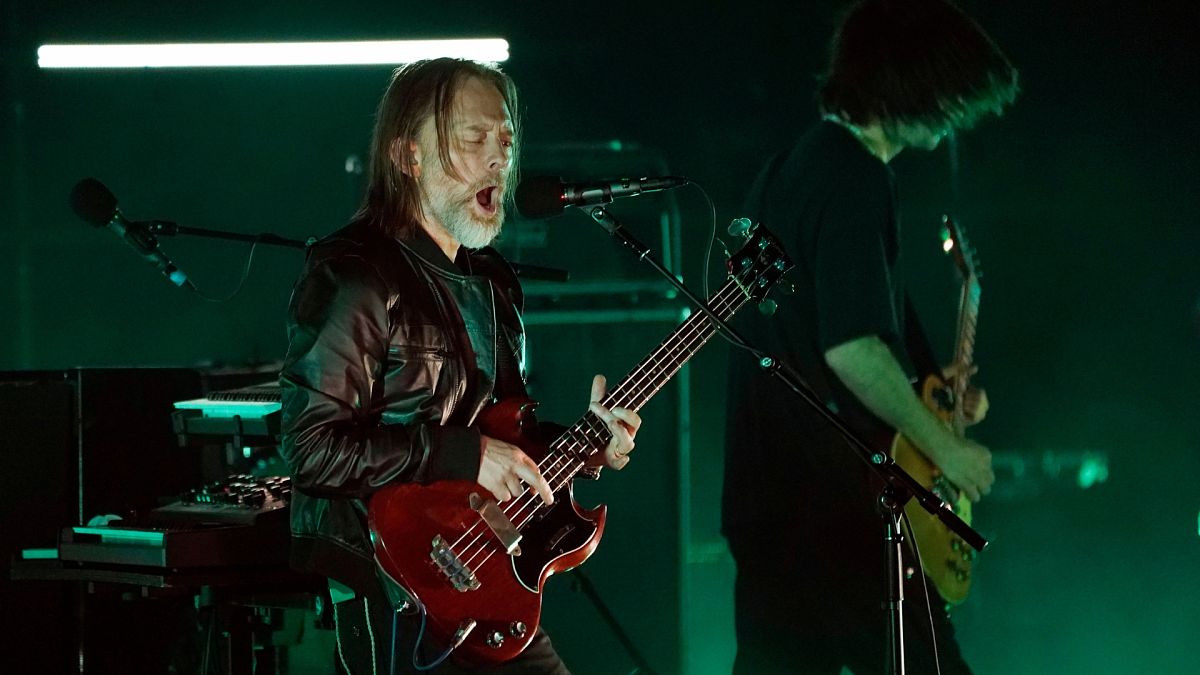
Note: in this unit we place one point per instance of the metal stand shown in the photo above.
(584, 584)
(242, 605)
(167, 228)
(899, 486)
(890, 510)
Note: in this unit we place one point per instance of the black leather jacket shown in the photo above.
(393, 350)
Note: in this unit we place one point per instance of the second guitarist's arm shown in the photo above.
(867, 367)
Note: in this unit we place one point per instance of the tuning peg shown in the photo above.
(740, 227)
(768, 307)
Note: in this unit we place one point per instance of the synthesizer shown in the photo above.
(248, 413)
(239, 521)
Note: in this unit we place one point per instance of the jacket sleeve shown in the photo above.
(338, 337)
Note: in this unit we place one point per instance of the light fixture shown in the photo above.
(261, 54)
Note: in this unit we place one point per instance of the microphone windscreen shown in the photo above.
(93, 202)
(540, 197)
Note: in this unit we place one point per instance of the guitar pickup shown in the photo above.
(498, 523)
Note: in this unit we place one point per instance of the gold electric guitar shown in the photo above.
(946, 558)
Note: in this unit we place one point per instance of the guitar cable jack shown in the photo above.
(460, 636)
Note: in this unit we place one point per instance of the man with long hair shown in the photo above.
(799, 508)
(402, 327)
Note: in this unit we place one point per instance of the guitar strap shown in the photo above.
(916, 342)
(509, 382)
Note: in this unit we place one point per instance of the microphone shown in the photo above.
(97, 206)
(547, 196)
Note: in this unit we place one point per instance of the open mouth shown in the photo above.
(488, 198)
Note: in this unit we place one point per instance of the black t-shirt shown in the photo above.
(833, 206)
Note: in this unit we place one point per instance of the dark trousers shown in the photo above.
(364, 631)
(812, 602)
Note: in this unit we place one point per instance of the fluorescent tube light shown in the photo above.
(254, 54)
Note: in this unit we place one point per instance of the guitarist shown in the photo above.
(798, 507)
(403, 326)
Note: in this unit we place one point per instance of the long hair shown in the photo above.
(416, 92)
(915, 62)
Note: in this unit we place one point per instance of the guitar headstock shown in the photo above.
(954, 242)
(760, 261)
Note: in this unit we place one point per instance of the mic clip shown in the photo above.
(163, 227)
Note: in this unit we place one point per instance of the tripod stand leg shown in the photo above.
(893, 539)
(584, 584)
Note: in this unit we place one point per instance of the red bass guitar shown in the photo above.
(476, 567)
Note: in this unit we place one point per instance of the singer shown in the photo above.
(403, 326)
(799, 510)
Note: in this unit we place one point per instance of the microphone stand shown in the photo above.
(898, 486)
(167, 228)
(584, 584)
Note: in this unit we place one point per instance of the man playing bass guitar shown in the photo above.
(403, 327)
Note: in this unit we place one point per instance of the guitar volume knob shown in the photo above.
(518, 629)
(495, 639)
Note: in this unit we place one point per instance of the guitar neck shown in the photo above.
(590, 435)
(964, 353)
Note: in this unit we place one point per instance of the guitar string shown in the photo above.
(628, 391)
(686, 336)
(695, 340)
(631, 390)
(600, 432)
(656, 365)
(963, 354)
(563, 461)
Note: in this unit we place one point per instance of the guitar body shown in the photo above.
(406, 518)
(945, 557)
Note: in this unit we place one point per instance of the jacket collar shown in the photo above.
(428, 250)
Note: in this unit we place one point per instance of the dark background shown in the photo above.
(1082, 201)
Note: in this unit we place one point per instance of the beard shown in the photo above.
(453, 205)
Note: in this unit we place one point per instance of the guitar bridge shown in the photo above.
(461, 576)
(946, 491)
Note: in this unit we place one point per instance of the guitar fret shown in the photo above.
(647, 378)
(661, 365)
